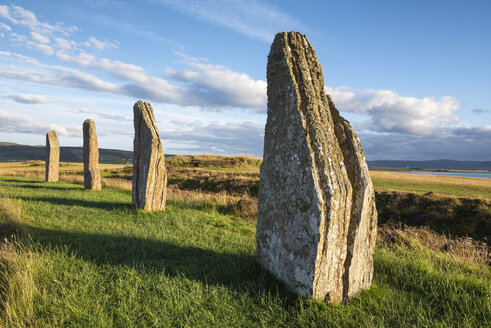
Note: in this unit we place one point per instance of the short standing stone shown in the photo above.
(149, 173)
(316, 212)
(92, 177)
(52, 156)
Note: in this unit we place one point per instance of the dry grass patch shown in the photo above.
(463, 249)
(244, 206)
(214, 181)
(37, 168)
(10, 216)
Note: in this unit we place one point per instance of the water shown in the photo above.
(454, 174)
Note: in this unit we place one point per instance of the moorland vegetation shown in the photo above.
(75, 257)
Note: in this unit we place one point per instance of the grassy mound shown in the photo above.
(447, 215)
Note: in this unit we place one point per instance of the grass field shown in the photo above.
(37, 168)
(438, 184)
(190, 171)
(78, 258)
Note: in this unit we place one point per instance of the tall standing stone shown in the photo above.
(52, 156)
(317, 221)
(92, 176)
(149, 173)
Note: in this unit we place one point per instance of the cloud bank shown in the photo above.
(216, 137)
(25, 124)
(387, 111)
(390, 125)
(28, 99)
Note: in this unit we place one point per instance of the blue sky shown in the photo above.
(412, 77)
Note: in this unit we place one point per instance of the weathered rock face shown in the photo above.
(316, 213)
(149, 174)
(92, 177)
(52, 156)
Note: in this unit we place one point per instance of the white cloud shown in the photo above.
(44, 48)
(5, 27)
(30, 44)
(19, 57)
(221, 86)
(117, 68)
(4, 11)
(458, 143)
(216, 137)
(38, 37)
(64, 44)
(63, 77)
(25, 124)
(216, 87)
(391, 112)
(100, 45)
(40, 33)
(77, 79)
(206, 86)
(20, 16)
(28, 99)
(252, 18)
(104, 115)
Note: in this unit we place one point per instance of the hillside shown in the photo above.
(10, 152)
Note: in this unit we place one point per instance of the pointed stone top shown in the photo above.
(52, 133)
(294, 50)
(290, 42)
(143, 111)
(89, 126)
(52, 139)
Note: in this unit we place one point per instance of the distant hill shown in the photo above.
(445, 164)
(10, 152)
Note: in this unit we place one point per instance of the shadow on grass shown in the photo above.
(45, 186)
(238, 272)
(37, 184)
(108, 206)
(25, 180)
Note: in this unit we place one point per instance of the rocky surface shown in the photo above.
(316, 213)
(52, 156)
(92, 176)
(149, 173)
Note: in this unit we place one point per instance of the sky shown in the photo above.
(412, 77)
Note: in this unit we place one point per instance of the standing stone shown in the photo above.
(316, 226)
(92, 177)
(52, 156)
(149, 174)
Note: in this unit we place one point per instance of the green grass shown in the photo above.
(93, 261)
(422, 186)
(462, 191)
